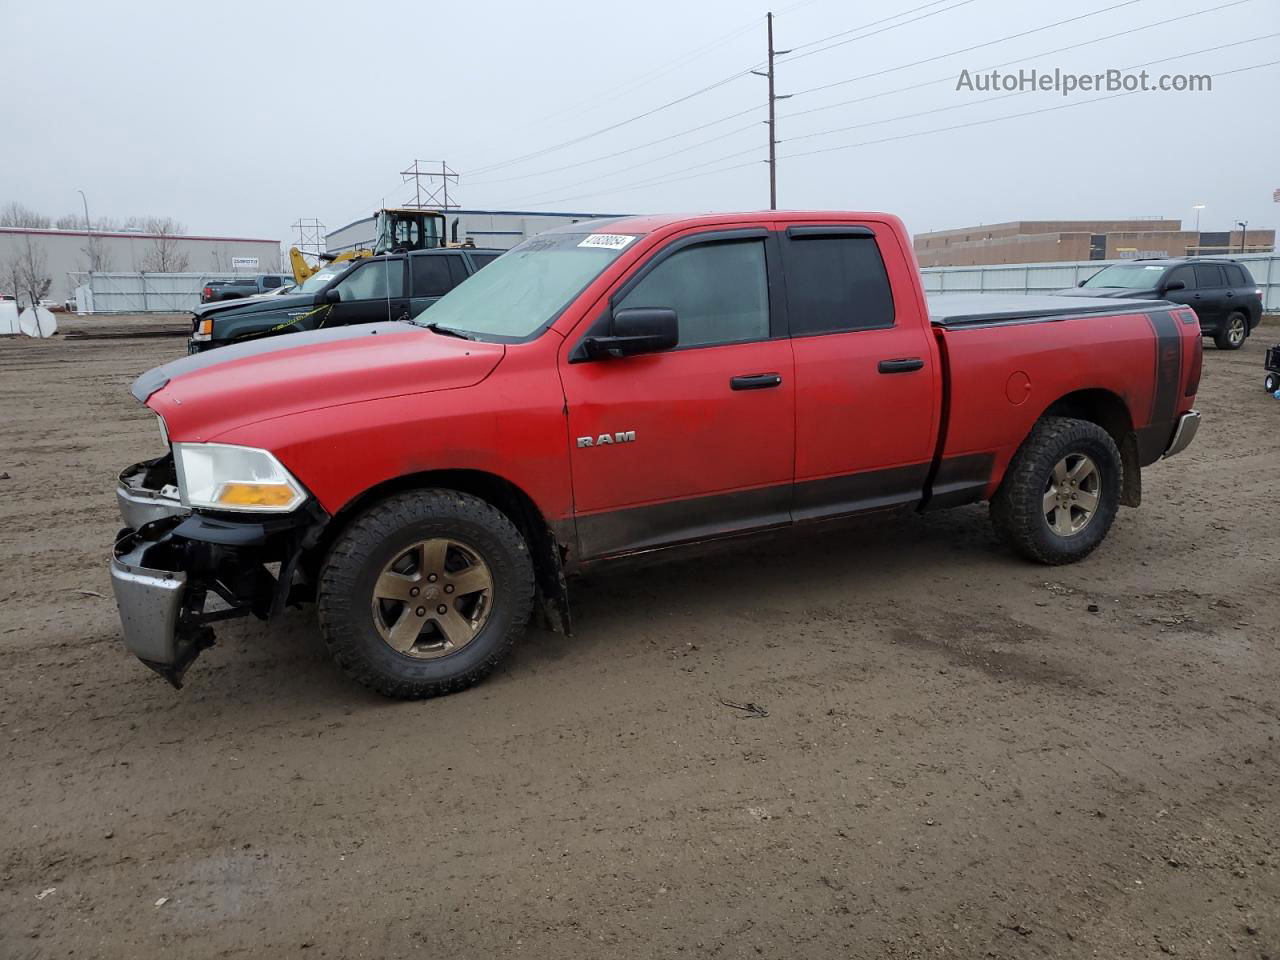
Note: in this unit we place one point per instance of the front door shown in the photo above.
(865, 372)
(1186, 275)
(694, 442)
(371, 292)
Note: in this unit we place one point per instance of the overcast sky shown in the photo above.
(238, 118)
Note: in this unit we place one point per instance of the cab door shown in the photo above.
(866, 371)
(372, 291)
(697, 441)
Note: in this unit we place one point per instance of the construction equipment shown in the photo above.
(395, 230)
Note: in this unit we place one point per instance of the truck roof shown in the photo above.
(647, 223)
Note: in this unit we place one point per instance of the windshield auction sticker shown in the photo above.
(607, 241)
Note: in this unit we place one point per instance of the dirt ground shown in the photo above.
(964, 755)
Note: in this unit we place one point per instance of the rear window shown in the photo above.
(835, 284)
(483, 259)
(1209, 275)
(1237, 276)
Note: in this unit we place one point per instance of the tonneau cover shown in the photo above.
(961, 309)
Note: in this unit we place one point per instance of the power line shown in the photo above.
(1011, 116)
(1006, 63)
(719, 83)
(651, 160)
(614, 126)
(976, 46)
(618, 153)
(873, 23)
(865, 143)
(1016, 93)
(648, 76)
(841, 43)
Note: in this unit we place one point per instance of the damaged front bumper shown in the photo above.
(175, 572)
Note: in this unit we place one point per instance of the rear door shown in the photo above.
(697, 441)
(1210, 298)
(372, 291)
(866, 374)
(1238, 292)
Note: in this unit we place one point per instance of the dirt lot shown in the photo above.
(960, 758)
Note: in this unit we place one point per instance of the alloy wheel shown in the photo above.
(433, 598)
(1072, 494)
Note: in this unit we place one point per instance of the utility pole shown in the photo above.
(773, 98)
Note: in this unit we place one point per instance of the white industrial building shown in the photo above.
(66, 252)
(485, 228)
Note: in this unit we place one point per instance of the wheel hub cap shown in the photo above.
(432, 599)
(1071, 495)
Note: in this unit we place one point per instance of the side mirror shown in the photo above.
(332, 295)
(1175, 285)
(636, 330)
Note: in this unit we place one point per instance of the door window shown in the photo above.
(1208, 276)
(379, 280)
(719, 291)
(483, 259)
(270, 283)
(837, 283)
(1235, 275)
(1185, 274)
(431, 276)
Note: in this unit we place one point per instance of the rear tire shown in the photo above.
(1061, 491)
(1234, 332)
(1271, 383)
(424, 593)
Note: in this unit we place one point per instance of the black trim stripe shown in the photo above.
(1153, 438)
(634, 529)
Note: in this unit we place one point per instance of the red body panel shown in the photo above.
(1004, 377)
(345, 417)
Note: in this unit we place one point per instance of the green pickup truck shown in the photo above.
(390, 287)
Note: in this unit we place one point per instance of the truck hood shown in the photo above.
(256, 304)
(1110, 293)
(206, 394)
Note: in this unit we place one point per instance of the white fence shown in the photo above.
(1047, 277)
(141, 292)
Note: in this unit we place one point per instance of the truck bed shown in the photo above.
(967, 309)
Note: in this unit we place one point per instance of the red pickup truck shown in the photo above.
(615, 387)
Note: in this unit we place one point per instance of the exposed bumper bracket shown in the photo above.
(1185, 432)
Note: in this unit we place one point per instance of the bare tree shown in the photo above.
(26, 272)
(69, 221)
(97, 254)
(15, 214)
(165, 254)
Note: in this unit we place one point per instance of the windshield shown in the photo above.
(1129, 276)
(525, 288)
(317, 281)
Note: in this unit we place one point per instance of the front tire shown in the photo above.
(424, 593)
(1061, 491)
(1271, 383)
(1234, 332)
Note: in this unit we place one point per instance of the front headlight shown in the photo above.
(219, 476)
